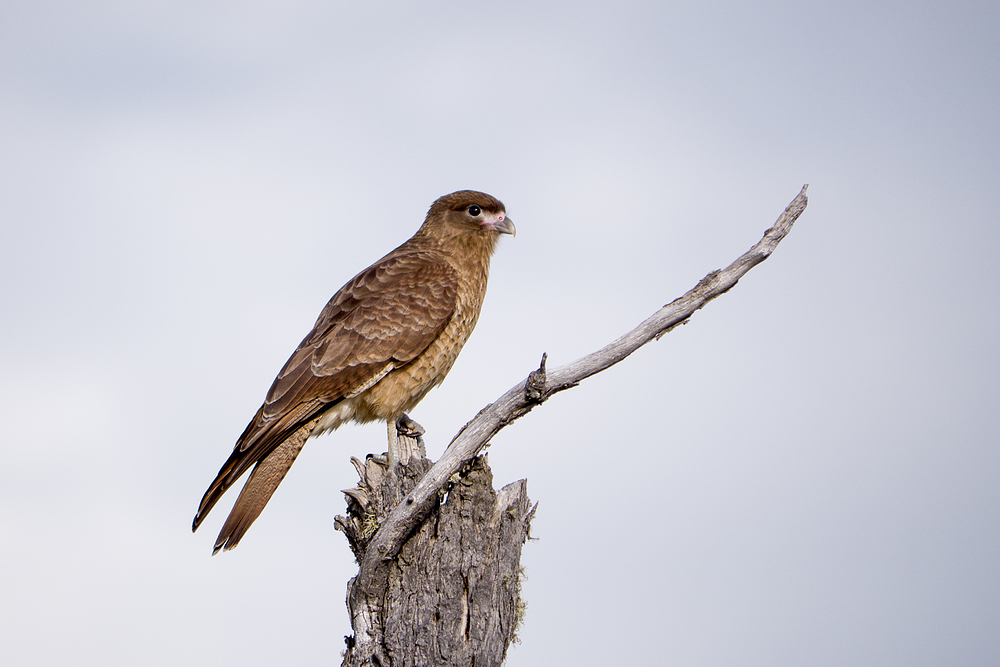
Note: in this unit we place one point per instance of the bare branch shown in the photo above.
(520, 399)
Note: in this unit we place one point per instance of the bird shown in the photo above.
(383, 341)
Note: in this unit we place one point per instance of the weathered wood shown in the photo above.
(452, 594)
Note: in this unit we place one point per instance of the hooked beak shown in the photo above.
(505, 226)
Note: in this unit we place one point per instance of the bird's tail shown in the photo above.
(268, 471)
(259, 488)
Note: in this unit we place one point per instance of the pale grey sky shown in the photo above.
(805, 474)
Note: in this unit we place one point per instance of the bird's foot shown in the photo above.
(409, 440)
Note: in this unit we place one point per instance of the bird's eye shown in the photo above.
(474, 210)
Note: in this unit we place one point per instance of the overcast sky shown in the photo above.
(807, 473)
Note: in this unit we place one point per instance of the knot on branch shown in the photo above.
(534, 386)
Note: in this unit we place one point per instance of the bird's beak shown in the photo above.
(505, 226)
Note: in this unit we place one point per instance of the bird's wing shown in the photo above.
(382, 319)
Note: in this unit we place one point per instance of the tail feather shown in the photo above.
(259, 488)
(238, 462)
(257, 443)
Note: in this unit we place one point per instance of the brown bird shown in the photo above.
(383, 341)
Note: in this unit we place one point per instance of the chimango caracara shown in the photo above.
(388, 337)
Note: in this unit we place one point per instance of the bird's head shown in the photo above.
(469, 216)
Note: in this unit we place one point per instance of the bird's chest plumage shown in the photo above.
(404, 387)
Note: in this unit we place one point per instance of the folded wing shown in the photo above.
(380, 321)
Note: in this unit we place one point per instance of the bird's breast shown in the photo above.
(401, 389)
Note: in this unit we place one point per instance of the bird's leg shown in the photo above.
(393, 443)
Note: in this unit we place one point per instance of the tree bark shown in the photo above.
(452, 594)
(438, 581)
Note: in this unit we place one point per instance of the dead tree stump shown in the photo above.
(452, 594)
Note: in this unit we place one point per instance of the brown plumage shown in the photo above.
(382, 342)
